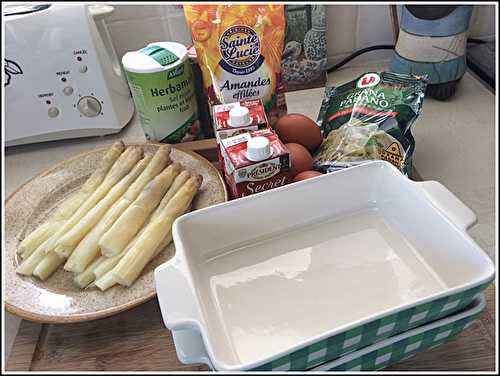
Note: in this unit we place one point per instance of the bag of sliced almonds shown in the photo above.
(239, 50)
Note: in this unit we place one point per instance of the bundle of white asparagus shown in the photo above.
(117, 222)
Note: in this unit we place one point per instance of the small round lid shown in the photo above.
(239, 117)
(155, 57)
(258, 149)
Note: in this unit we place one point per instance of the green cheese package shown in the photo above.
(370, 118)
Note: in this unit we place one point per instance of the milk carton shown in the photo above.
(236, 118)
(254, 161)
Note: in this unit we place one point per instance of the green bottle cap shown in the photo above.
(161, 55)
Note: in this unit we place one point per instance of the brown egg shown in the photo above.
(306, 175)
(300, 159)
(299, 129)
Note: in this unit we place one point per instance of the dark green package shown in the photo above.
(370, 118)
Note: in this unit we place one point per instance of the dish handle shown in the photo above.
(190, 348)
(176, 297)
(448, 204)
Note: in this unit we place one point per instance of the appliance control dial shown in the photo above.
(53, 112)
(68, 90)
(89, 106)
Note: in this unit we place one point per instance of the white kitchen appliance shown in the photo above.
(62, 77)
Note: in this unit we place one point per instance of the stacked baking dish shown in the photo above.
(405, 345)
(295, 277)
(190, 348)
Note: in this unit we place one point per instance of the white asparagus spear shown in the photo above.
(85, 278)
(48, 265)
(30, 263)
(114, 241)
(168, 238)
(70, 205)
(88, 248)
(161, 159)
(118, 170)
(97, 177)
(132, 264)
(69, 240)
(176, 185)
(111, 262)
(34, 239)
(49, 229)
(108, 264)
(122, 167)
(102, 272)
(104, 276)
(105, 282)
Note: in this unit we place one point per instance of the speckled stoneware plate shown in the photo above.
(58, 300)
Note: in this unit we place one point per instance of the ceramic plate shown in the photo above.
(57, 300)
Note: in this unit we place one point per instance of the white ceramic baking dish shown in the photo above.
(190, 349)
(296, 276)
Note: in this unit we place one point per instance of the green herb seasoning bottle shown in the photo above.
(160, 78)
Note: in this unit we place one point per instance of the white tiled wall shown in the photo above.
(350, 27)
(133, 26)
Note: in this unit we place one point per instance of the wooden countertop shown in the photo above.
(137, 340)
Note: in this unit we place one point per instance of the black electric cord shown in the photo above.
(381, 47)
(475, 40)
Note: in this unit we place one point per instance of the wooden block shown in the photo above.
(136, 340)
(24, 346)
(471, 350)
(206, 148)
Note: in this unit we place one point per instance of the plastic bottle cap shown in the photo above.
(239, 117)
(258, 149)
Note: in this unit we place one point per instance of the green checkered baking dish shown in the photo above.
(296, 276)
(407, 344)
(371, 332)
(372, 357)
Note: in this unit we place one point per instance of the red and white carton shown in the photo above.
(236, 118)
(232, 119)
(254, 162)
